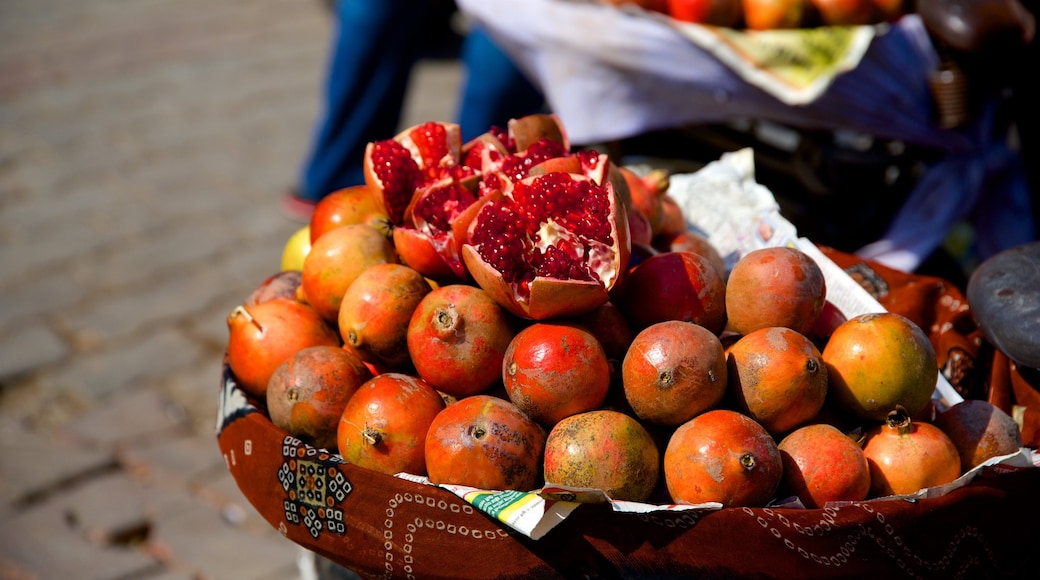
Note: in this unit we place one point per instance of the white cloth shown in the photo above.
(611, 74)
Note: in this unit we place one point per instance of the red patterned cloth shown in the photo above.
(387, 527)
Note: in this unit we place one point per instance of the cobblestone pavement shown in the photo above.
(143, 146)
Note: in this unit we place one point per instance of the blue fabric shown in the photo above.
(494, 89)
(375, 44)
(375, 47)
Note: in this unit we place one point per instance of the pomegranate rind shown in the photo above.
(544, 297)
(530, 129)
(421, 154)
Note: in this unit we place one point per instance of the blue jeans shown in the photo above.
(375, 46)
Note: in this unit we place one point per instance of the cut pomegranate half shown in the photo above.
(551, 245)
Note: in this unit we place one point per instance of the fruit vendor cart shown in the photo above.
(615, 73)
(402, 526)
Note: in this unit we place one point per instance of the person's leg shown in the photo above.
(375, 45)
(494, 90)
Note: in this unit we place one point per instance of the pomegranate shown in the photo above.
(282, 284)
(822, 464)
(691, 241)
(350, 205)
(906, 456)
(722, 456)
(435, 227)
(674, 286)
(778, 286)
(262, 336)
(383, 426)
(777, 377)
(980, 431)
(487, 443)
(552, 246)
(336, 260)
(307, 393)
(673, 222)
(646, 193)
(673, 372)
(395, 169)
(604, 450)
(552, 370)
(877, 361)
(376, 309)
(457, 339)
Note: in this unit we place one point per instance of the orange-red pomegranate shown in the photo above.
(457, 339)
(779, 286)
(262, 336)
(674, 371)
(554, 370)
(485, 442)
(777, 377)
(722, 456)
(906, 456)
(383, 426)
(307, 393)
(375, 311)
(822, 464)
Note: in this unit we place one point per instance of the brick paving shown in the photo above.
(143, 146)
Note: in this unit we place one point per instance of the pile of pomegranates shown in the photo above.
(775, 14)
(510, 312)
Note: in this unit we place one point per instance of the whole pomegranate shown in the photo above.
(604, 450)
(822, 464)
(777, 377)
(674, 371)
(552, 370)
(487, 443)
(906, 456)
(457, 339)
(351, 205)
(262, 336)
(778, 286)
(383, 426)
(674, 286)
(552, 246)
(307, 392)
(375, 311)
(980, 431)
(336, 259)
(722, 456)
(877, 361)
(282, 284)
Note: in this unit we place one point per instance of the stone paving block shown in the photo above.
(32, 462)
(33, 345)
(195, 390)
(41, 543)
(199, 537)
(111, 509)
(124, 366)
(163, 254)
(116, 316)
(185, 460)
(35, 295)
(127, 420)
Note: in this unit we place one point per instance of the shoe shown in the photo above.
(297, 208)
